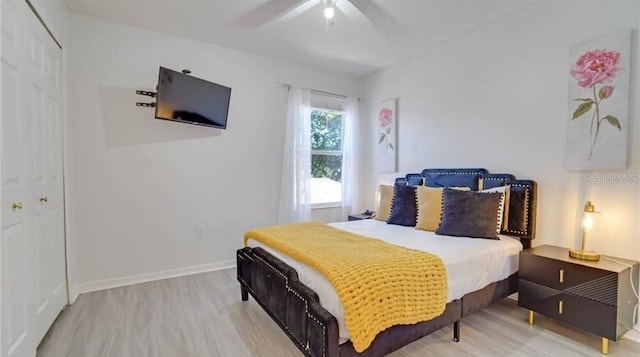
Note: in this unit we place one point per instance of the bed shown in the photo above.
(290, 292)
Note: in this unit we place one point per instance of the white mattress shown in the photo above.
(471, 263)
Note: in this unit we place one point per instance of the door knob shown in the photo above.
(16, 206)
(44, 199)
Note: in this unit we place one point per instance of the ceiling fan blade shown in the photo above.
(352, 12)
(269, 11)
(297, 10)
(378, 16)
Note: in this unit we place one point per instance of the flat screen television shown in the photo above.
(186, 99)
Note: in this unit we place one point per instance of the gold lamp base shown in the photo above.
(584, 254)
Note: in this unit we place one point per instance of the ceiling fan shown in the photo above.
(360, 12)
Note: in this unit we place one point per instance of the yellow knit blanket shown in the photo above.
(379, 284)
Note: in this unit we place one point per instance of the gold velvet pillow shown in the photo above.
(384, 196)
(429, 200)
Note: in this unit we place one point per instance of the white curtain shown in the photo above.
(295, 191)
(350, 157)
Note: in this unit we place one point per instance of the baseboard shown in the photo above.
(633, 335)
(97, 285)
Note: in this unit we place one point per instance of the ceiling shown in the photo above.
(346, 47)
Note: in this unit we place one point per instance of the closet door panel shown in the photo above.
(32, 207)
(17, 290)
(46, 193)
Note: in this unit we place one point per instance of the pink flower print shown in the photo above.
(594, 68)
(384, 117)
(597, 66)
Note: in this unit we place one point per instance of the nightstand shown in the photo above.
(596, 297)
(357, 217)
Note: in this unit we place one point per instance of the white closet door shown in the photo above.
(33, 271)
(44, 67)
(18, 307)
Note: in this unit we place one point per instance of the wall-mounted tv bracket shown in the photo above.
(153, 94)
(148, 94)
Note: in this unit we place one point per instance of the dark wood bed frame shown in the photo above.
(296, 308)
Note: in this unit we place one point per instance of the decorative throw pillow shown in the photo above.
(429, 200)
(503, 211)
(383, 202)
(470, 214)
(403, 206)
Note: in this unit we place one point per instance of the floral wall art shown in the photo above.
(599, 92)
(386, 136)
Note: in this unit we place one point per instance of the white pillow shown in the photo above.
(503, 210)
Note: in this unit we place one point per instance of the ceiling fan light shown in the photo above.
(329, 12)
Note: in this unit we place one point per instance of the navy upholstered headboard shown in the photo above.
(522, 194)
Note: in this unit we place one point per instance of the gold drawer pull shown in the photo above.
(560, 307)
(561, 275)
(16, 206)
(44, 199)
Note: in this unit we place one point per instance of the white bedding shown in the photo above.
(471, 263)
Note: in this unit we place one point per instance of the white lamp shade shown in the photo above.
(587, 222)
(590, 221)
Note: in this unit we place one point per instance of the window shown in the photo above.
(326, 157)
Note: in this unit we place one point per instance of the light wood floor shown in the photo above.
(202, 315)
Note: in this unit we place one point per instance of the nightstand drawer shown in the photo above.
(588, 315)
(561, 275)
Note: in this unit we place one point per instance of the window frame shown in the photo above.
(329, 152)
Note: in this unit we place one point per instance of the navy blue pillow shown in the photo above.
(404, 208)
(470, 214)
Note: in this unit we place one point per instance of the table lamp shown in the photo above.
(588, 224)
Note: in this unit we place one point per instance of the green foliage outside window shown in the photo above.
(327, 166)
(326, 130)
(326, 136)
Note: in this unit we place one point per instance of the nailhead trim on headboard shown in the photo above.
(526, 211)
(453, 173)
(484, 176)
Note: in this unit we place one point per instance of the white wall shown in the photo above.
(141, 184)
(496, 97)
